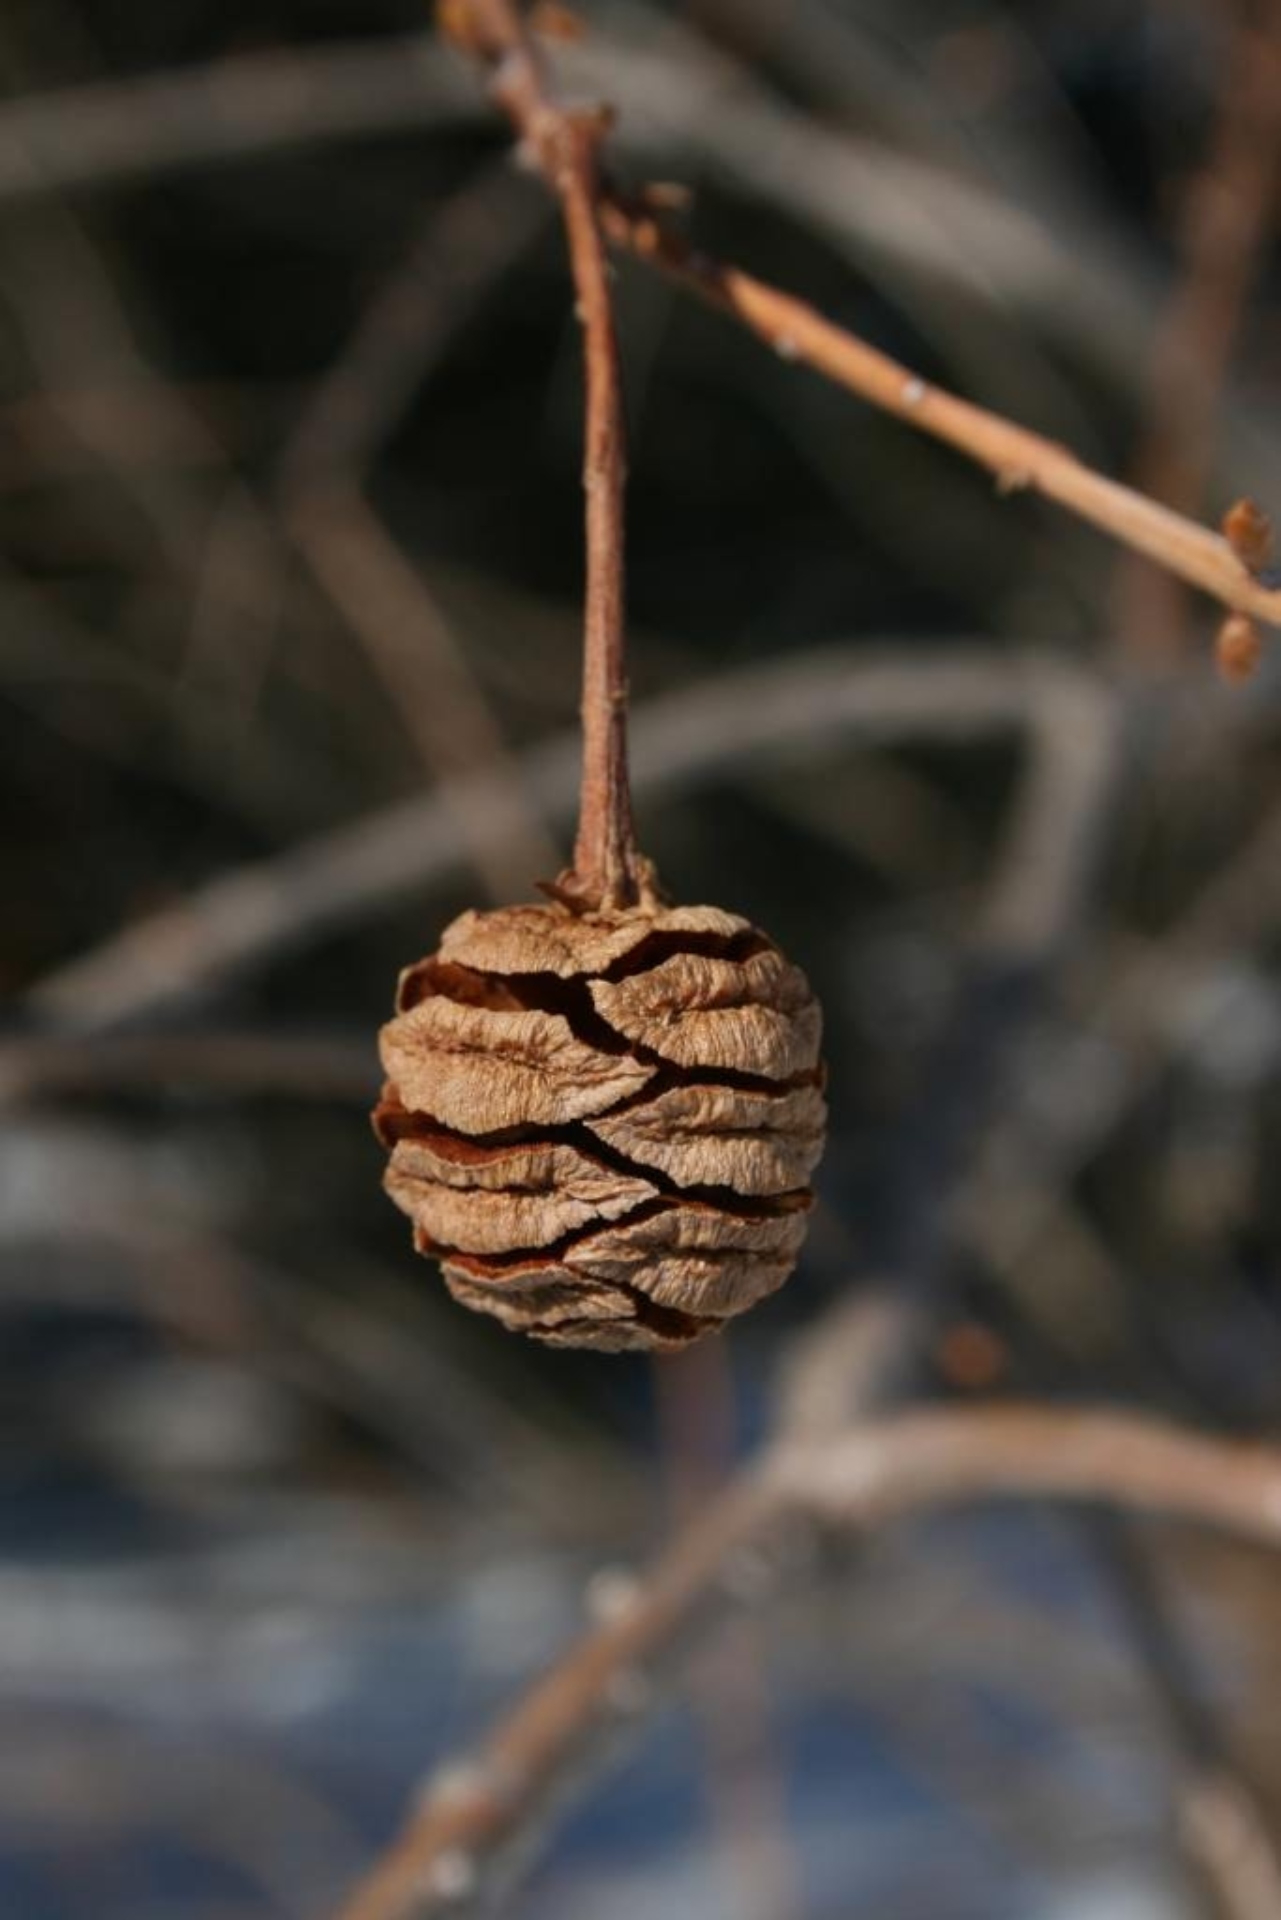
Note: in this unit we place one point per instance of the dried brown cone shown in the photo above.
(603, 1125)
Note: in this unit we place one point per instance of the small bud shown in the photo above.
(1237, 648)
(1248, 532)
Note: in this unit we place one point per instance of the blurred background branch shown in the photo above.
(860, 1477)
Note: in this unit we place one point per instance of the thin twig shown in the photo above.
(906, 1464)
(607, 864)
(1019, 458)
(608, 868)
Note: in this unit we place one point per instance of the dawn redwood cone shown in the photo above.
(603, 1124)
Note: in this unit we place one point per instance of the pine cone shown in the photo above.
(603, 1125)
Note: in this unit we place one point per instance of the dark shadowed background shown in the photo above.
(289, 451)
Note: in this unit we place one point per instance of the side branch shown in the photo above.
(904, 1464)
(1018, 457)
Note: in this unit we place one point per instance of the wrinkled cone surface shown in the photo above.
(603, 1126)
